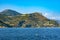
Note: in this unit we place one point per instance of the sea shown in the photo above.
(29, 33)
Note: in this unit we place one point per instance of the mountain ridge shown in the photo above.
(10, 12)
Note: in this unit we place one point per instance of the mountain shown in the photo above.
(32, 20)
(36, 20)
(58, 22)
(9, 12)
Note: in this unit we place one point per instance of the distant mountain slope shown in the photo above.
(36, 20)
(58, 22)
(32, 20)
(9, 12)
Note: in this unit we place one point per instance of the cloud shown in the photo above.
(46, 14)
(51, 16)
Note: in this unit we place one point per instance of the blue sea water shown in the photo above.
(29, 33)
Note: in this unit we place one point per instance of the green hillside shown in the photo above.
(33, 20)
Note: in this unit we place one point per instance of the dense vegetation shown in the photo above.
(10, 18)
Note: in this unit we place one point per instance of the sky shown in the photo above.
(49, 8)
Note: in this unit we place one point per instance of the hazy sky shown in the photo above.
(49, 8)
